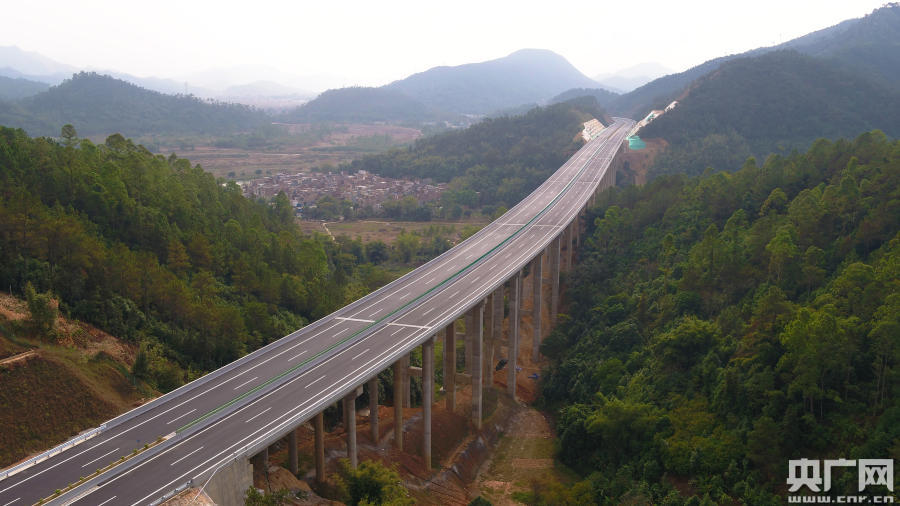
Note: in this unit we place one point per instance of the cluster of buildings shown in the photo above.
(361, 188)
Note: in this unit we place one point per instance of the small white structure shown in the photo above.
(592, 129)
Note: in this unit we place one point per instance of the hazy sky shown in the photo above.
(372, 42)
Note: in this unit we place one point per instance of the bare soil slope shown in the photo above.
(50, 392)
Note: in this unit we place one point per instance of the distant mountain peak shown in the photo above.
(525, 76)
(531, 52)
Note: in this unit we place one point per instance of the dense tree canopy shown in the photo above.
(495, 162)
(723, 324)
(159, 253)
(777, 102)
(102, 105)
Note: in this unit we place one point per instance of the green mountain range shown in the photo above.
(363, 104)
(869, 45)
(101, 105)
(776, 102)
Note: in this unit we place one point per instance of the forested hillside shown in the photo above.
(495, 162)
(722, 325)
(157, 252)
(771, 103)
(867, 46)
(603, 97)
(14, 89)
(365, 105)
(102, 105)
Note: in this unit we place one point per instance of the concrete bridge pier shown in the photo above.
(319, 425)
(515, 297)
(373, 410)
(407, 384)
(576, 234)
(450, 367)
(537, 281)
(398, 403)
(260, 461)
(487, 351)
(496, 335)
(427, 398)
(570, 239)
(475, 335)
(293, 460)
(350, 426)
(554, 279)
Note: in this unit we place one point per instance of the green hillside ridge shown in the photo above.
(364, 105)
(722, 325)
(101, 105)
(868, 46)
(16, 88)
(159, 253)
(496, 162)
(771, 103)
(603, 97)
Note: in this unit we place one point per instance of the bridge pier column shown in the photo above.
(476, 336)
(497, 333)
(260, 461)
(293, 461)
(320, 447)
(489, 316)
(537, 275)
(570, 245)
(515, 297)
(427, 398)
(407, 383)
(577, 240)
(398, 403)
(350, 426)
(450, 367)
(563, 249)
(373, 410)
(554, 280)
(488, 347)
(468, 343)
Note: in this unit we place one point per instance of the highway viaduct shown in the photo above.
(207, 433)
